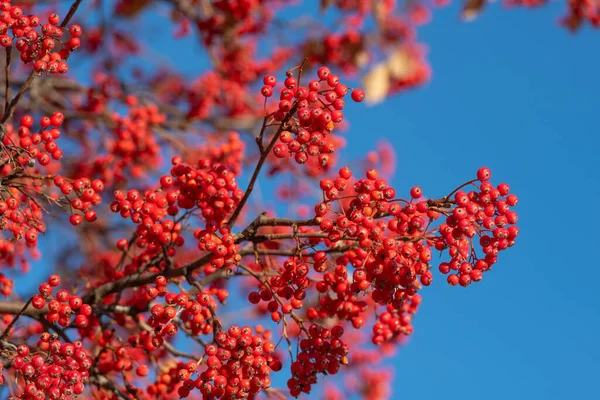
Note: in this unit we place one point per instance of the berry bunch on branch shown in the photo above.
(170, 234)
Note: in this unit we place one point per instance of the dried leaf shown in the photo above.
(376, 84)
(400, 64)
(471, 9)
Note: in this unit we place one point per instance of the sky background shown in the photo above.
(515, 92)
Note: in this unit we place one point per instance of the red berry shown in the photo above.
(484, 174)
(323, 73)
(267, 91)
(358, 95)
(416, 192)
(270, 80)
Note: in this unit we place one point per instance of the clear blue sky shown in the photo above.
(515, 92)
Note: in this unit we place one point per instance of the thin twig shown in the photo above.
(14, 321)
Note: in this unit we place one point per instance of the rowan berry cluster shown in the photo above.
(346, 50)
(243, 17)
(194, 314)
(169, 380)
(55, 370)
(485, 213)
(317, 108)
(134, 144)
(62, 306)
(119, 356)
(322, 352)
(394, 323)
(38, 41)
(238, 365)
(229, 152)
(149, 210)
(22, 217)
(223, 249)
(394, 240)
(6, 284)
(37, 146)
(338, 298)
(210, 188)
(283, 293)
(85, 195)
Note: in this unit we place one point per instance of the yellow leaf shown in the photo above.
(400, 64)
(471, 9)
(376, 83)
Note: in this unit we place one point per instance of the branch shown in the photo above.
(71, 13)
(139, 279)
(22, 310)
(14, 321)
(263, 157)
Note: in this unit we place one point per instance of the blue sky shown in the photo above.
(514, 92)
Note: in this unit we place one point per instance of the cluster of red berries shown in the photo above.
(338, 297)
(394, 323)
(283, 293)
(317, 110)
(62, 306)
(223, 249)
(40, 146)
(169, 380)
(149, 210)
(394, 246)
(6, 285)
(345, 50)
(133, 147)
(135, 143)
(211, 91)
(23, 150)
(118, 356)
(243, 17)
(38, 45)
(13, 250)
(196, 316)
(323, 352)
(86, 195)
(193, 313)
(229, 153)
(238, 365)
(210, 188)
(23, 218)
(56, 371)
(382, 261)
(485, 213)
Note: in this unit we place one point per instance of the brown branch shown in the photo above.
(15, 319)
(71, 13)
(139, 278)
(263, 157)
(8, 113)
